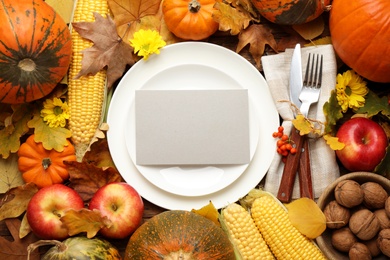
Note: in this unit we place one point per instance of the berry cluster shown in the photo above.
(284, 145)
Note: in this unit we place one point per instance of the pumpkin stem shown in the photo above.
(27, 64)
(194, 6)
(46, 162)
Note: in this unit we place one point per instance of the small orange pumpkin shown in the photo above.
(35, 50)
(44, 167)
(190, 19)
(360, 32)
(289, 12)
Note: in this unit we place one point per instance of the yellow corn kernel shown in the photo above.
(284, 240)
(244, 233)
(86, 94)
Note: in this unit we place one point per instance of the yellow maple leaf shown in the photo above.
(231, 18)
(84, 220)
(307, 217)
(334, 142)
(209, 211)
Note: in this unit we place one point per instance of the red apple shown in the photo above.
(122, 205)
(46, 208)
(365, 144)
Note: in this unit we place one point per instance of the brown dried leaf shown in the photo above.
(100, 155)
(87, 178)
(10, 176)
(129, 14)
(257, 36)
(230, 18)
(20, 197)
(310, 30)
(25, 228)
(307, 217)
(109, 50)
(84, 220)
(17, 249)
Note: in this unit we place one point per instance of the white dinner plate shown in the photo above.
(221, 59)
(190, 180)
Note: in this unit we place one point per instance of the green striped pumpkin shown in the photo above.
(35, 50)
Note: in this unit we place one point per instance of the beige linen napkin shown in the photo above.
(324, 167)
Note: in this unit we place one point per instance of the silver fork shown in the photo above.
(311, 89)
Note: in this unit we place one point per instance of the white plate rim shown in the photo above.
(212, 55)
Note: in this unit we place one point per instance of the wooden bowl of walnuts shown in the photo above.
(357, 210)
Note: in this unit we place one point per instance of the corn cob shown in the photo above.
(85, 94)
(244, 234)
(284, 240)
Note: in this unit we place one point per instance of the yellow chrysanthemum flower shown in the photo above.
(146, 42)
(55, 112)
(350, 90)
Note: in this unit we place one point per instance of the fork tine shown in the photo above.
(306, 80)
(320, 73)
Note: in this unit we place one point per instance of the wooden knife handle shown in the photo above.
(290, 168)
(304, 172)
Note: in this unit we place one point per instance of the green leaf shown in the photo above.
(375, 105)
(14, 129)
(383, 168)
(51, 137)
(333, 112)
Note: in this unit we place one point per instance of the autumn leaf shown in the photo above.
(16, 249)
(333, 112)
(15, 126)
(25, 228)
(383, 167)
(375, 105)
(87, 178)
(231, 18)
(334, 142)
(307, 217)
(310, 30)
(130, 15)
(302, 124)
(108, 50)
(99, 134)
(257, 36)
(64, 8)
(321, 41)
(208, 211)
(50, 137)
(84, 220)
(99, 155)
(10, 176)
(21, 196)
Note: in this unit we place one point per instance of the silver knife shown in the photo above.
(300, 161)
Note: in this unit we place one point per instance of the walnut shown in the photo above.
(364, 224)
(384, 220)
(384, 241)
(342, 239)
(374, 195)
(372, 246)
(348, 193)
(387, 206)
(359, 251)
(337, 216)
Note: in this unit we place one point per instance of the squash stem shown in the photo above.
(61, 246)
(194, 6)
(46, 162)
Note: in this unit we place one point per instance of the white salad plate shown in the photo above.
(190, 180)
(192, 65)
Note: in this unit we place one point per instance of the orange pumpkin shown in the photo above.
(35, 50)
(360, 32)
(289, 12)
(44, 167)
(179, 234)
(190, 19)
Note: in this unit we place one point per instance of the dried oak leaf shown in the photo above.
(108, 50)
(17, 249)
(307, 217)
(257, 36)
(231, 18)
(87, 178)
(84, 220)
(20, 197)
